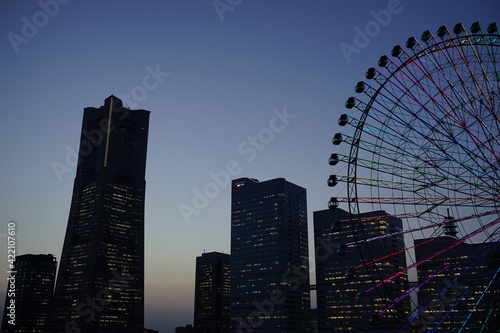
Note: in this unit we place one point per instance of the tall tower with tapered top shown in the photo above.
(100, 283)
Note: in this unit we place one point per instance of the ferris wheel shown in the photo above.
(421, 141)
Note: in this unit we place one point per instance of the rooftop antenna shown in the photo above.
(450, 228)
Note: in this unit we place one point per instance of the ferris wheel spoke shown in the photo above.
(453, 245)
(437, 67)
(392, 254)
(406, 171)
(472, 42)
(424, 89)
(410, 291)
(487, 320)
(424, 138)
(493, 54)
(414, 79)
(432, 224)
(485, 202)
(460, 81)
(433, 113)
(439, 134)
(467, 89)
(485, 95)
(445, 47)
(429, 301)
(399, 186)
(427, 151)
(399, 157)
(489, 168)
(445, 314)
(479, 300)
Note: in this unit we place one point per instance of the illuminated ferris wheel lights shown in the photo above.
(424, 138)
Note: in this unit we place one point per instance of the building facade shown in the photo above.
(346, 274)
(29, 294)
(459, 285)
(185, 329)
(100, 283)
(270, 290)
(212, 292)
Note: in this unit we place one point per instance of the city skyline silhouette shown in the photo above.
(251, 91)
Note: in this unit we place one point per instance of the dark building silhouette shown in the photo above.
(100, 283)
(460, 285)
(185, 329)
(27, 304)
(212, 291)
(269, 257)
(344, 303)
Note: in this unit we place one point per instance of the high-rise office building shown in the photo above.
(212, 291)
(100, 283)
(29, 293)
(270, 289)
(345, 298)
(459, 285)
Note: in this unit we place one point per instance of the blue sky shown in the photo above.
(214, 81)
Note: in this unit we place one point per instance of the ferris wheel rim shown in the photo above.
(354, 208)
(354, 200)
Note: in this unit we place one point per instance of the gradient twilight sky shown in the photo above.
(229, 74)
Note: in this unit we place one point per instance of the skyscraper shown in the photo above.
(212, 291)
(29, 294)
(460, 285)
(269, 257)
(100, 283)
(343, 282)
